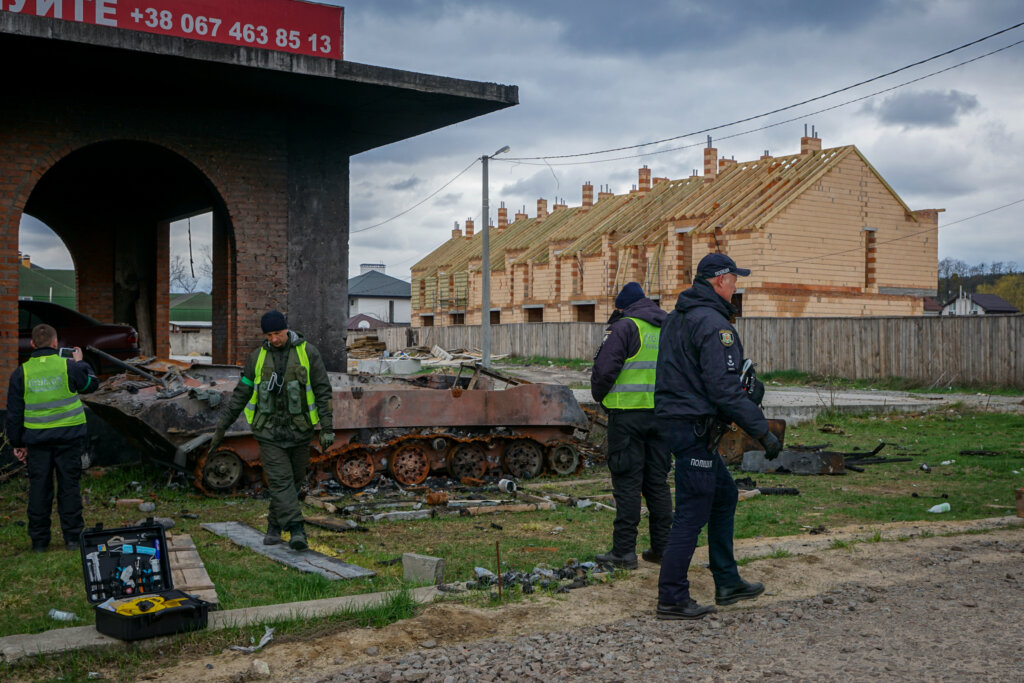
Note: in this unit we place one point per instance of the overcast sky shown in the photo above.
(595, 75)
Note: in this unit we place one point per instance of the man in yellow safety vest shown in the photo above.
(46, 427)
(622, 380)
(285, 393)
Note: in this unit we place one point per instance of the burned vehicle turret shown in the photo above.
(471, 424)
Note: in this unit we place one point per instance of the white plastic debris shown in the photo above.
(947, 462)
(941, 507)
(268, 635)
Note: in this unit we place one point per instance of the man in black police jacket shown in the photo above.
(698, 380)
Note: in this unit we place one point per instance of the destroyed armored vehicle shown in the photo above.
(460, 425)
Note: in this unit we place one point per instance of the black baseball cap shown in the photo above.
(714, 265)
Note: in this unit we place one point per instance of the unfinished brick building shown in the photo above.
(109, 134)
(822, 231)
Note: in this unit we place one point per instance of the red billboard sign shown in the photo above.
(304, 28)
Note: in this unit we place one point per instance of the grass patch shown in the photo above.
(571, 363)
(778, 554)
(798, 378)
(881, 494)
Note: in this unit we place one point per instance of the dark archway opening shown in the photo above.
(112, 204)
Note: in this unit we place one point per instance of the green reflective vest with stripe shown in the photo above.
(634, 387)
(49, 401)
(310, 407)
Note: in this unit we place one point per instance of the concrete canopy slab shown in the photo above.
(378, 105)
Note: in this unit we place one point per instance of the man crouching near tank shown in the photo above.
(698, 381)
(285, 392)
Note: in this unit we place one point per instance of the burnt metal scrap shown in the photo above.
(404, 428)
(815, 460)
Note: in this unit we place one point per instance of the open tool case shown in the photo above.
(128, 582)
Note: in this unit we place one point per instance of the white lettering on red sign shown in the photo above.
(285, 25)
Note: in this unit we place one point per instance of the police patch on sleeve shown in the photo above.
(727, 337)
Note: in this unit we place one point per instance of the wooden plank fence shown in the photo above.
(985, 350)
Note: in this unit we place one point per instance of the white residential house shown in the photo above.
(978, 304)
(378, 295)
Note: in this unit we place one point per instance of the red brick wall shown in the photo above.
(241, 157)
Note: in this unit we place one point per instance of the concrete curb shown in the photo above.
(14, 648)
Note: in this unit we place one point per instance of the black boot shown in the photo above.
(298, 540)
(625, 561)
(273, 536)
(686, 610)
(651, 555)
(727, 595)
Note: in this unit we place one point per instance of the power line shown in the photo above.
(774, 111)
(419, 203)
(895, 239)
(770, 125)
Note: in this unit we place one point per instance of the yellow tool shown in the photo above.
(145, 605)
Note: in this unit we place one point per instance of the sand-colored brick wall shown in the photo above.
(782, 303)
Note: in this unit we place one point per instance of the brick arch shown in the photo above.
(95, 238)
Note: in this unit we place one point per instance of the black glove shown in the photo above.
(218, 436)
(756, 391)
(326, 438)
(771, 446)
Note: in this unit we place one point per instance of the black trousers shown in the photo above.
(705, 495)
(639, 462)
(44, 461)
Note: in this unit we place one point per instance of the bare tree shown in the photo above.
(181, 277)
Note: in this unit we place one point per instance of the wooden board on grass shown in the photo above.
(187, 570)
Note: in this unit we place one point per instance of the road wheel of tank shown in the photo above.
(563, 460)
(409, 464)
(524, 459)
(222, 471)
(467, 460)
(354, 470)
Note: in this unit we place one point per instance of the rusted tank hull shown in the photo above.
(405, 429)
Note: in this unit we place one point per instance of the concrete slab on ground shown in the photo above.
(308, 561)
(801, 404)
(13, 648)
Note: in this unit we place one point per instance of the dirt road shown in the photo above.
(922, 607)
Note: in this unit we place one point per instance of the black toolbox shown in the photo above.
(128, 582)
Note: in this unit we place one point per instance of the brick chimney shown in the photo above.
(710, 162)
(521, 215)
(660, 180)
(469, 228)
(644, 183)
(542, 209)
(502, 218)
(559, 204)
(588, 195)
(725, 163)
(766, 155)
(456, 233)
(605, 193)
(26, 260)
(810, 144)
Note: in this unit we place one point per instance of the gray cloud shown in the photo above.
(407, 184)
(931, 108)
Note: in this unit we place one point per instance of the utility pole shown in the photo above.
(485, 267)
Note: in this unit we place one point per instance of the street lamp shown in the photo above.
(485, 267)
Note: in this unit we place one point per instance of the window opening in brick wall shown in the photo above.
(534, 315)
(495, 317)
(584, 313)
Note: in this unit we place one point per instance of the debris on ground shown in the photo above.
(268, 635)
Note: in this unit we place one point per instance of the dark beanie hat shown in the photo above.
(273, 322)
(630, 294)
